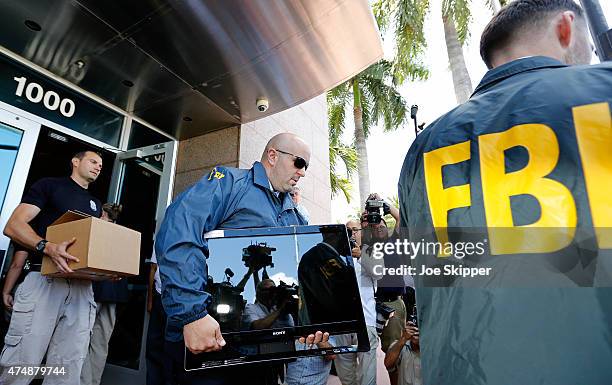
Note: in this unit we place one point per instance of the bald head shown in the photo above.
(280, 159)
(355, 227)
(285, 141)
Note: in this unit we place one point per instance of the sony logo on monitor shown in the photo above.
(278, 333)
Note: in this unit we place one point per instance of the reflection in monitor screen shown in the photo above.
(268, 290)
(326, 276)
(250, 278)
(302, 276)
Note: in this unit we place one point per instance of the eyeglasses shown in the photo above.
(298, 162)
(355, 229)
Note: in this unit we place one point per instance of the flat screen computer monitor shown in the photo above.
(303, 274)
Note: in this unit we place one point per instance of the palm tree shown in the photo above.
(372, 92)
(374, 99)
(456, 18)
(405, 19)
(496, 5)
(347, 154)
(408, 16)
(389, 220)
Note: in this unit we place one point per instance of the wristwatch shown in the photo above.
(40, 246)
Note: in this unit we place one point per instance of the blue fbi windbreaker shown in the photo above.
(532, 147)
(227, 198)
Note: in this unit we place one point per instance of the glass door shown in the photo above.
(142, 182)
(18, 138)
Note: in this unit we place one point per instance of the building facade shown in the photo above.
(165, 91)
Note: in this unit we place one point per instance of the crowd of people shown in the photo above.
(532, 48)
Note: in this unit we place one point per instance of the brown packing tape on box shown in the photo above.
(105, 250)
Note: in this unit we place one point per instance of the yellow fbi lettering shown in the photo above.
(557, 222)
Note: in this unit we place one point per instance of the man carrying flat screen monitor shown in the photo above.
(226, 198)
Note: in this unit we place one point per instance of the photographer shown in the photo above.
(360, 368)
(389, 289)
(404, 356)
(269, 309)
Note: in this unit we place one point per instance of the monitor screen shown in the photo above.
(269, 286)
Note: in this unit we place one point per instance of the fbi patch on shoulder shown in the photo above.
(216, 174)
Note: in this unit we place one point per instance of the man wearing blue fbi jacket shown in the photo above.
(227, 198)
(528, 159)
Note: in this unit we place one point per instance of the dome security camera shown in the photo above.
(262, 104)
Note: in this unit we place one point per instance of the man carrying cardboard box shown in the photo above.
(52, 316)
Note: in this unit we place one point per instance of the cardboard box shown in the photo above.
(104, 249)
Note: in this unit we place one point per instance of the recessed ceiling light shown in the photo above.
(34, 26)
(187, 119)
(127, 83)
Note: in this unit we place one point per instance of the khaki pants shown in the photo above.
(357, 368)
(94, 364)
(394, 328)
(53, 316)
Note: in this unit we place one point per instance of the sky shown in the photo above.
(435, 96)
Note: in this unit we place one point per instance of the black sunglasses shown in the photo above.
(298, 162)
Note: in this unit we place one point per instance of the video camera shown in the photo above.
(412, 318)
(373, 207)
(383, 313)
(227, 303)
(288, 294)
(257, 256)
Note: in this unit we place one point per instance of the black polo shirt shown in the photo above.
(55, 196)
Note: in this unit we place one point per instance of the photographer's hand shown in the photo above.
(245, 279)
(203, 335)
(408, 332)
(374, 196)
(395, 349)
(266, 322)
(388, 208)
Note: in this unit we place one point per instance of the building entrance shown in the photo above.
(138, 197)
(140, 179)
(141, 182)
(17, 141)
(52, 156)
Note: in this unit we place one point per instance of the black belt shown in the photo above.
(388, 298)
(35, 267)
